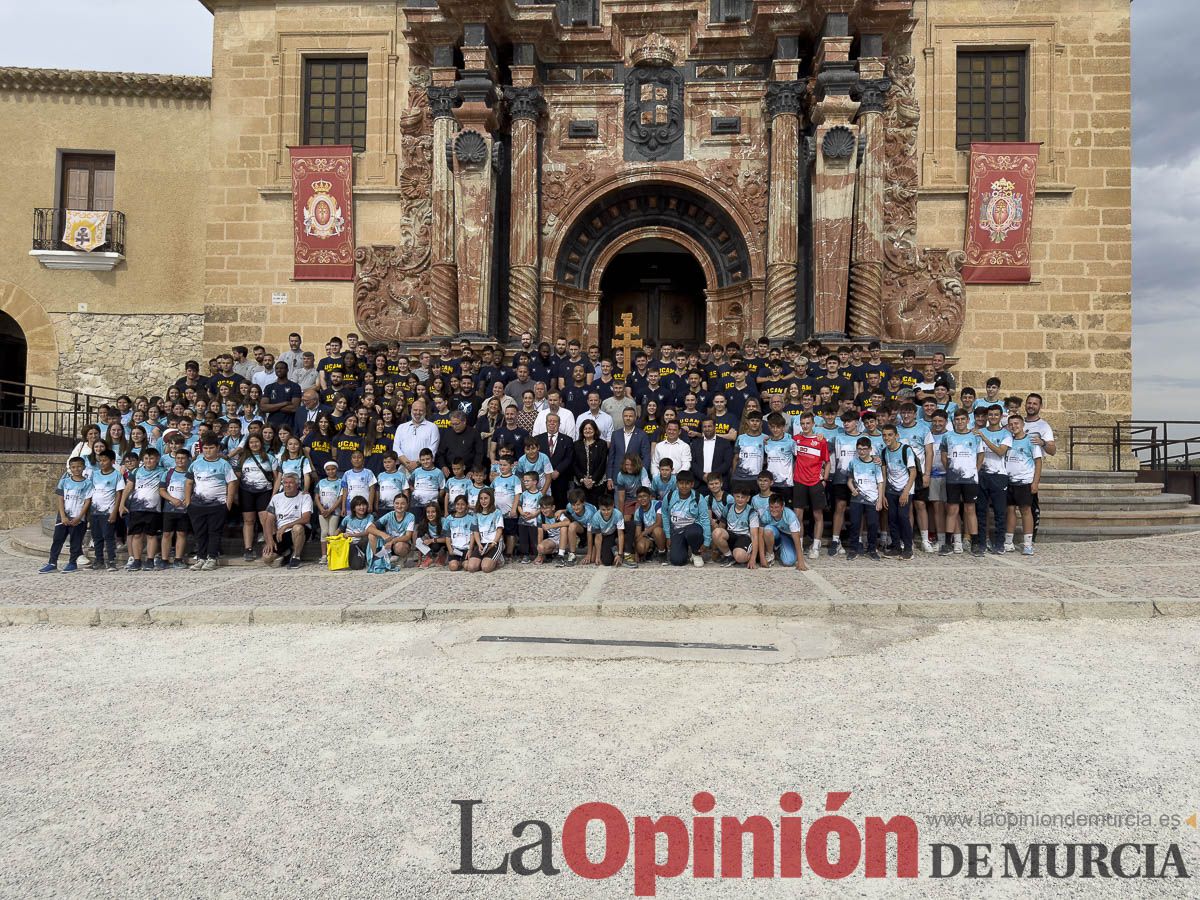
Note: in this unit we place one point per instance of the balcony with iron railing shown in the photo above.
(55, 249)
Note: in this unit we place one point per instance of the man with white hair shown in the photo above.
(566, 418)
(288, 515)
(415, 435)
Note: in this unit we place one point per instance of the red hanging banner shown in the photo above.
(1000, 213)
(322, 213)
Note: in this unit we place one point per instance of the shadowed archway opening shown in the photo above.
(661, 284)
(14, 352)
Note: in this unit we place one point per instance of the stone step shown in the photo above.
(1076, 476)
(1101, 503)
(1052, 534)
(1097, 488)
(1184, 515)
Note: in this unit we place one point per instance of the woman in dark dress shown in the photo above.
(591, 461)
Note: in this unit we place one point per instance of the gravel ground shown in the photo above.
(317, 762)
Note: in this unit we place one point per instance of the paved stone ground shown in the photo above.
(307, 761)
(1132, 578)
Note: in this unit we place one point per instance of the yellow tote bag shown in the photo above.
(339, 552)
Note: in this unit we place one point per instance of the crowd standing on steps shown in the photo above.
(473, 458)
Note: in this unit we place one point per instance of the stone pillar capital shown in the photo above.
(442, 101)
(872, 95)
(524, 102)
(784, 98)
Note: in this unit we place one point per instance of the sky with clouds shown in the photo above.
(112, 34)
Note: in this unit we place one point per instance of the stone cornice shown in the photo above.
(110, 84)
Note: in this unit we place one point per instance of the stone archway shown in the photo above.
(611, 221)
(40, 341)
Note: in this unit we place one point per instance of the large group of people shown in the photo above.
(474, 457)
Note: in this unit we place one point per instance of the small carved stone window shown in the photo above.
(991, 96)
(335, 101)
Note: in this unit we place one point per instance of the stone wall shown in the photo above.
(1067, 333)
(258, 56)
(125, 354)
(27, 482)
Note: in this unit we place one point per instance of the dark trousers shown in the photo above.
(1037, 515)
(208, 524)
(993, 495)
(61, 533)
(104, 537)
(526, 539)
(685, 541)
(859, 511)
(900, 525)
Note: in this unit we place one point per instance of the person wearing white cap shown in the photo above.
(331, 495)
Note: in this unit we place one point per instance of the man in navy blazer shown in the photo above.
(310, 407)
(629, 438)
(719, 453)
(561, 451)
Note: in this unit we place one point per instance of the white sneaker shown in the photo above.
(770, 558)
(1009, 548)
(814, 552)
(196, 566)
(210, 565)
(958, 548)
(324, 561)
(697, 560)
(928, 547)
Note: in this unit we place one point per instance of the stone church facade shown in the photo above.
(719, 169)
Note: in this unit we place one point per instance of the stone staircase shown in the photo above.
(1082, 506)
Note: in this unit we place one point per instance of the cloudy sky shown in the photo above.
(175, 36)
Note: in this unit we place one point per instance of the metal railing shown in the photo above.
(35, 419)
(49, 225)
(1157, 445)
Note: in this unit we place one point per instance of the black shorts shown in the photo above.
(840, 492)
(177, 521)
(920, 493)
(491, 551)
(1020, 494)
(740, 542)
(144, 521)
(510, 527)
(808, 496)
(962, 493)
(253, 501)
(457, 556)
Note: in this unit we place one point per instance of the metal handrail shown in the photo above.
(30, 411)
(1151, 442)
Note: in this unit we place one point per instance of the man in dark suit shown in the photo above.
(711, 455)
(561, 451)
(310, 407)
(627, 438)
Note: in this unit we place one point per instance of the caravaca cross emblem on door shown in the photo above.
(627, 339)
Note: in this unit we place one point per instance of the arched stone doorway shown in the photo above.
(33, 327)
(14, 352)
(665, 224)
(661, 285)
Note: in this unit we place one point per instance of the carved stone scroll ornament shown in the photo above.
(923, 296)
(392, 290)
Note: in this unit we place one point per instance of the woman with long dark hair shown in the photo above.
(258, 476)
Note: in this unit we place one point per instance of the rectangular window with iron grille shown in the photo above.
(991, 96)
(335, 101)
